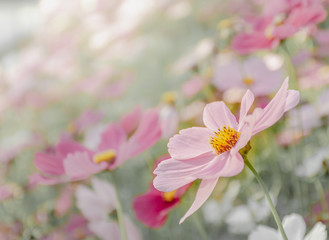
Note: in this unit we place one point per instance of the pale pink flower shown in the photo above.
(252, 73)
(72, 161)
(213, 152)
(96, 205)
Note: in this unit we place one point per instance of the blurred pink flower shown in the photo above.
(251, 73)
(279, 20)
(72, 161)
(213, 152)
(96, 205)
(76, 228)
(152, 208)
(64, 201)
(193, 86)
(5, 192)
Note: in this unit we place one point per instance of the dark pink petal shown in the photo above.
(48, 163)
(190, 143)
(205, 189)
(217, 114)
(79, 166)
(245, 43)
(147, 133)
(112, 138)
(152, 210)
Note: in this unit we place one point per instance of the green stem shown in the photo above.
(267, 195)
(120, 213)
(200, 227)
(320, 190)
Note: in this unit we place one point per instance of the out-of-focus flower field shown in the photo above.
(167, 119)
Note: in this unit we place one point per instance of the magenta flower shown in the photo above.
(153, 207)
(72, 161)
(212, 152)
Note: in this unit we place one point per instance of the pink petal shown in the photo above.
(36, 178)
(64, 147)
(112, 138)
(292, 100)
(130, 121)
(80, 166)
(190, 143)
(233, 166)
(147, 133)
(65, 201)
(245, 43)
(246, 103)
(264, 118)
(173, 174)
(49, 163)
(213, 168)
(152, 210)
(217, 114)
(205, 189)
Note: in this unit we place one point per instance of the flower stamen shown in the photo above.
(106, 156)
(224, 139)
(169, 196)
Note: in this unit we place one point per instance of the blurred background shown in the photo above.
(93, 61)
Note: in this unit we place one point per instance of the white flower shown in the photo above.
(295, 229)
(96, 205)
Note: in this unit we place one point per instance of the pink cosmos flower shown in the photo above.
(252, 73)
(212, 152)
(277, 22)
(153, 207)
(98, 206)
(71, 161)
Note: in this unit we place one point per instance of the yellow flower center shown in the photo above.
(169, 196)
(248, 80)
(224, 139)
(106, 156)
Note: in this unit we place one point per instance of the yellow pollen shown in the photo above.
(169, 196)
(71, 128)
(225, 23)
(106, 156)
(169, 97)
(224, 139)
(248, 80)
